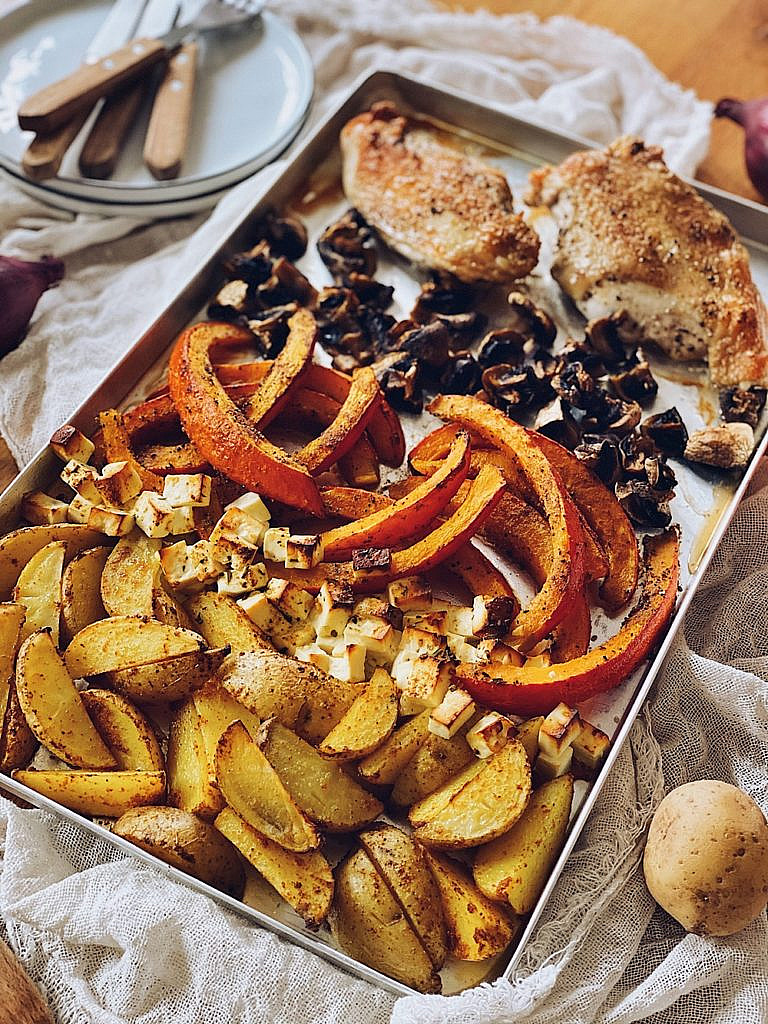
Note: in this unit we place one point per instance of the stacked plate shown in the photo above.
(253, 91)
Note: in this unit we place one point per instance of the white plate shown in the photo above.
(254, 87)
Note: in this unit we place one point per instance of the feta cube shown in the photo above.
(153, 514)
(303, 551)
(499, 653)
(329, 615)
(424, 685)
(70, 444)
(263, 613)
(379, 638)
(559, 730)
(183, 490)
(490, 734)
(291, 600)
(312, 654)
(492, 616)
(461, 650)
(590, 746)
(41, 509)
(454, 710)
(458, 619)
(236, 537)
(251, 504)
(80, 478)
(410, 594)
(182, 520)
(243, 580)
(113, 522)
(275, 543)
(348, 663)
(79, 509)
(417, 641)
(189, 566)
(552, 766)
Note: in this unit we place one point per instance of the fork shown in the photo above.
(55, 104)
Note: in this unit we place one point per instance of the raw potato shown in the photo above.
(384, 765)
(706, 859)
(125, 641)
(477, 927)
(253, 789)
(81, 602)
(323, 791)
(304, 880)
(130, 575)
(99, 794)
(186, 843)
(487, 804)
(38, 589)
(169, 679)
(18, 547)
(54, 709)
(402, 865)
(17, 741)
(369, 924)
(125, 730)
(367, 724)
(515, 867)
(224, 623)
(191, 783)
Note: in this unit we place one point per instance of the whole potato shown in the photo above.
(706, 859)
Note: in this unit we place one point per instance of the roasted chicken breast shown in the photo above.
(634, 236)
(438, 207)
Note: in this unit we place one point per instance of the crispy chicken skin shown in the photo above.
(634, 236)
(436, 206)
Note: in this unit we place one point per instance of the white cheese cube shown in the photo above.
(69, 443)
(183, 490)
(292, 601)
(431, 622)
(79, 509)
(253, 505)
(236, 537)
(329, 615)
(425, 684)
(42, 510)
(303, 551)
(260, 610)
(81, 478)
(590, 746)
(182, 520)
(111, 521)
(189, 566)
(243, 580)
(458, 619)
(490, 734)
(348, 663)
(379, 638)
(410, 594)
(499, 653)
(312, 654)
(463, 651)
(454, 710)
(552, 766)
(153, 514)
(558, 730)
(117, 484)
(417, 641)
(275, 543)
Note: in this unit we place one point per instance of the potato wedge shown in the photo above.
(186, 843)
(17, 741)
(224, 623)
(528, 734)
(477, 927)
(191, 784)
(400, 861)
(254, 790)
(216, 711)
(81, 602)
(487, 804)
(11, 621)
(384, 765)
(367, 724)
(515, 867)
(125, 731)
(169, 679)
(126, 641)
(167, 609)
(54, 709)
(99, 794)
(18, 547)
(304, 880)
(435, 761)
(369, 924)
(130, 583)
(38, 589)
(323, 791)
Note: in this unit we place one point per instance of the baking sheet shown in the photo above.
(704, 500)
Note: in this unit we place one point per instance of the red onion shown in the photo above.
(22, 282)
(752, 115)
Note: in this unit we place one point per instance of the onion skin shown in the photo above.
(752, 115)
(22, 282)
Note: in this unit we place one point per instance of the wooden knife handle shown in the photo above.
(168, 131)
(101, 150)
(54, 105)
(45, 152)
(20, 1001)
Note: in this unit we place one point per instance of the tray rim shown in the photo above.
(154, 341)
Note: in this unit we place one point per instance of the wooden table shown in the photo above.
(716, 47)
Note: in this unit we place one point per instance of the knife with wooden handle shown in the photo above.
(168, 132)
(20, 1001)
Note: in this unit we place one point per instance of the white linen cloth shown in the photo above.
(110, 940)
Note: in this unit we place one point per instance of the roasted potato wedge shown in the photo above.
(81, 602)
(477, 928)
(528, 735)
(125, 731)
(369, 924)
(53, 708)
(435, 761)
(367, 724)
(304, 880)
(99, 794)
(126, 641)
(254, 790)
(224, 623)
(11, 622)
(323, 791)
(130, 576)
(384, 765)
(18, 547)
(479, 805)
(185, 842)
(400, 861)
(191, 782)
(169, 679)
(38, 589)
(217, 711)
(17, 741)
(515, 867)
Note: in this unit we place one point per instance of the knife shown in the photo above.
(44, 154)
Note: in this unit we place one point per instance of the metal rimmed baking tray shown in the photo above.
(704, 504)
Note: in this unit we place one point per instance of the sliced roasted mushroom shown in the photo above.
(271, 327)
(429, 343)
(231, 302)
(634, 449)
(581, 352)
(611, 415)
(530, 320)
(725, 445)
(463, 326)
(501, 346)
(462, 375)
(347, 247)
(286, 235)
(556, 421)
(286, 283)
(600, 454)
(337, 304)
(644, 505)
(442, 295)
(399, 376)
(667, 431)
(254, 266)
(514, 388)
(635, 384)
(377, 326)
(369, 291)
(609, 336)
(574, 385)
(742, 405)
(659, 474)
